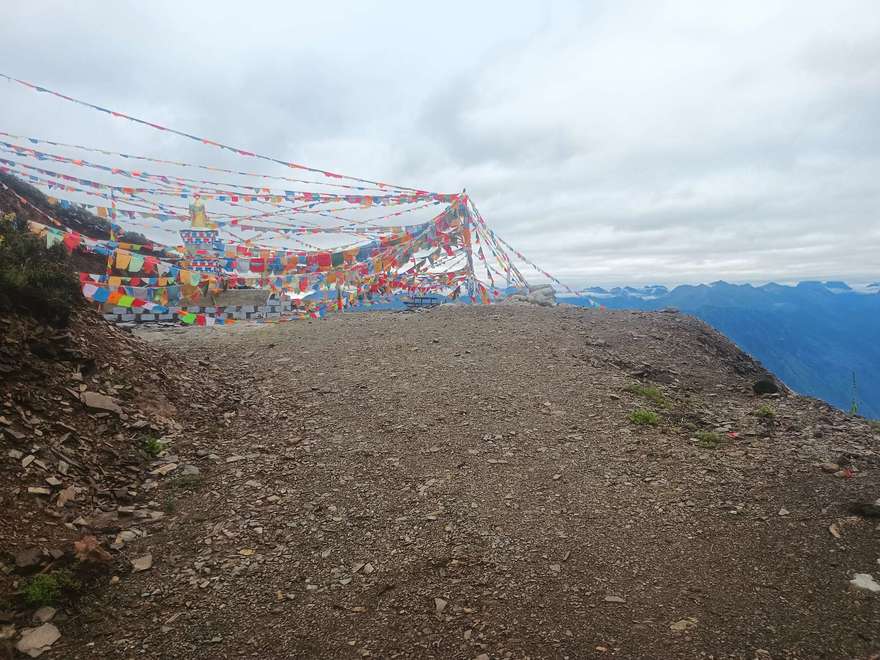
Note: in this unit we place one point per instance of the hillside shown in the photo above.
(72, 217)
(469, 483)
(84, 409)
(37, 205)
(814, 335)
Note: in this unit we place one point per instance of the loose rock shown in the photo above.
(865, 582)
(35, 641)
(142, 563)
(101, 402)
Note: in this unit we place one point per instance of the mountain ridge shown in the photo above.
(818, 337)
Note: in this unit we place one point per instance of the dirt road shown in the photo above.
(468, 483)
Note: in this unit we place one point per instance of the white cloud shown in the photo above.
(617, 142)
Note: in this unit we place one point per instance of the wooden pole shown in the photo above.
(469, 251)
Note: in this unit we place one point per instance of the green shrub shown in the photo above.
(34, 279)
(765, 411)
(649, 392)
(708, 439)
(643, 417)
(47, 588)
(153, 446)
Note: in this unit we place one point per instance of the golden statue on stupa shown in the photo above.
(198, 217)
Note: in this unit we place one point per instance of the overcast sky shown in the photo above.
(611, 142)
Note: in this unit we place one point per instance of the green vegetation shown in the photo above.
(708, 439)
(169, 504)
(653, 394)
(765, 411)
(47, 588)
(153, 446)
(185, 482)
(34, 279)
(72, 217)
(854, 406)
(643, 417)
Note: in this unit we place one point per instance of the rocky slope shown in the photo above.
(82, 411)
(498, 482)
(819, 337)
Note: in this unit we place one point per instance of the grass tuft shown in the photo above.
(708, 439)
(765, 411)
(642, 417)
(185, 482)
(153, 446)
(169, 504)
(47, 588)
(653, 394)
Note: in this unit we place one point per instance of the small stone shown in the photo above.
(28, 557)
(142, 563)
(865, 582)
(867, 509)
(439, 605)
(100, 402)
(766, 385)
(784, 512)
(614, 599)
(53, 481)
(246, 552)
(683, 624)
(45, 614)
(38, 490)
(27, 460)
(368, 568)
(34, 641)
(14, 454)
(125, 536)
(18, 436)
(65, 495)
(162, 470)
(828, 467)
(189, 471)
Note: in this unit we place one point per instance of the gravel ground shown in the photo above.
(468, 483)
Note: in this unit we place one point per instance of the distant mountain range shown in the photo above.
(814, 335)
